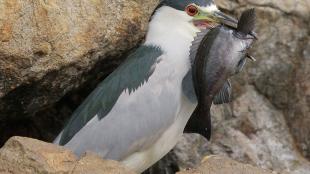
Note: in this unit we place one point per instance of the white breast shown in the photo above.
(142, 160)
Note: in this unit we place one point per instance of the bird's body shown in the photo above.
(175, 64)
(142, 136)
(138, 113)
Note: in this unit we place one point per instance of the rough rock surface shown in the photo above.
(250, 130)
(282, 73)
(29, 156)
(48, 48)
(222, 165)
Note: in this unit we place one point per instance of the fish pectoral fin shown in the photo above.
(240, 65)
(224, 96)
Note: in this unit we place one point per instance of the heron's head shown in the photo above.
(203, 13)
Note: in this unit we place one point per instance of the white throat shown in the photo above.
(171, 30)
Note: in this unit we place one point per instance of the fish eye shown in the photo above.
(191, 10)
(245, 50)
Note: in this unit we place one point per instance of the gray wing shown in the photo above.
(135, 71)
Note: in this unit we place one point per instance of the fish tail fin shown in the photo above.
(247, 22)
(209, 126)
(200, 123)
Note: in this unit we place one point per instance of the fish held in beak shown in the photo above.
(216, 55)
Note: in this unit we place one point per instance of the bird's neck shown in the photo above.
(172, 31)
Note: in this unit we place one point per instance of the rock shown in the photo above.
(23, 155)
(250, 130)
(29, 156)
(222, 165)
(167, 165)
(49, 48)
(93, 164)
(282, 72)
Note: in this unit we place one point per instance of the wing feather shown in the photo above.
(134, 72)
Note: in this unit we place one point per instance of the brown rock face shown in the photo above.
(29, 156)
(48, 48)
(250, 130)
(222, 165)
(282, 72)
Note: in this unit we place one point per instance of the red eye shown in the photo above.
(191, 10)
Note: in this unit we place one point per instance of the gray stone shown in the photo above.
(250, 130)
(282, 72)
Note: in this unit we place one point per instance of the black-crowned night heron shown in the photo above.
(138, 113)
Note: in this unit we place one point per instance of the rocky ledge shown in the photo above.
(22, 155)
(29, 156)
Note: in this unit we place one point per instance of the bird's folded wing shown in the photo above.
(134, 72)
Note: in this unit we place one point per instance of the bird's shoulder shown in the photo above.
(130, 75)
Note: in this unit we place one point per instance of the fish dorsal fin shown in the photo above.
(247, 22)
(224, 95)
(195, 44)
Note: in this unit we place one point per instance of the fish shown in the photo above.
(216, 55)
